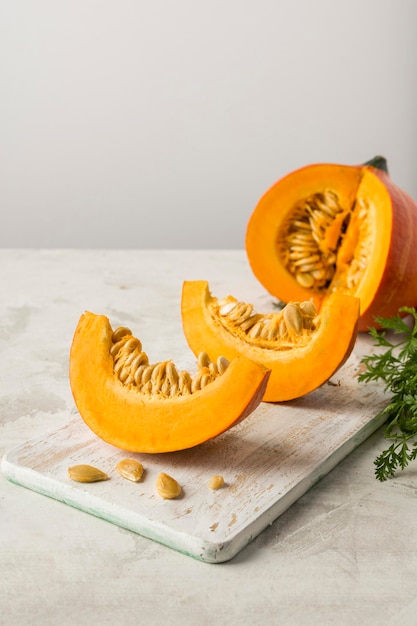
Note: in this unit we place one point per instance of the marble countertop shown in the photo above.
(344, 553)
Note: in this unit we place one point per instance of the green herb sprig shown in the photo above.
(396, 366)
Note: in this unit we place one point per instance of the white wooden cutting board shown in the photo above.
(268, 462)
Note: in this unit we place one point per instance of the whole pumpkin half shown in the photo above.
(326, 228)
(147, 407)
(301, 346)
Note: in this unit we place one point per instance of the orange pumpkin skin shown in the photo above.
(389, 276)
(294, 372)
(398, 285)
(121, 415)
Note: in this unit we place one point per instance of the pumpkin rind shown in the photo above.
(127, 419)
(294, 372)
(389, 279)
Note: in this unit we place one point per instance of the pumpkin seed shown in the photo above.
(319, 274)
(167, 487)
(256, 330)
(282, 331)
(301, 224)
(131, 469)
(308, 308)
(138, 374)
(158, 375)
(118, 346)
(227, 308)
(216, 482)
(172, 373)
(131, 344)
(203, 360)
(184, 382)
(308, 268)
(86, 473)
(147, 374)
(124, 374)
(300, 255)
(165, 388)
(246, 313)
(120, 332)
(222, 364)
(240, 310)
(200, 380)
(293, 318)
(305, 279)
(246, 324)
(308, 260)
(174, 391)
(140, 359)
(213, 369)
(147, 387)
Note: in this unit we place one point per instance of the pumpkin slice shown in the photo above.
(328, 227)
(301, 347)
(142, 407)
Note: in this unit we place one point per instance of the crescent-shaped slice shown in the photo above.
(301, 346)
(151, 408)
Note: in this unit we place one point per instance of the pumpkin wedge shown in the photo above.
(302, 347)
(329, 227)
(151, 408)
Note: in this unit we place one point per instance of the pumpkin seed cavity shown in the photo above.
(325, 246)
(162, 379)
(291, 327)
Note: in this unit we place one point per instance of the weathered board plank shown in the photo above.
(268, 462)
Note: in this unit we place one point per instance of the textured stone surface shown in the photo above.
(345, 553)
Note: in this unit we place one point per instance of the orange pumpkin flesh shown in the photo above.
(299, 363)
(122, 415)
(367, 248)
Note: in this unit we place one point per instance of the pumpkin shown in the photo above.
(301, 347)
(328, 227)
(150, 408)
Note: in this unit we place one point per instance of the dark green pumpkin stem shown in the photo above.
(379, 162)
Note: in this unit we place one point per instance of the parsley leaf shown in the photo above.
(396, 365)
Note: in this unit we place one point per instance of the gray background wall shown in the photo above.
(159, 124)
